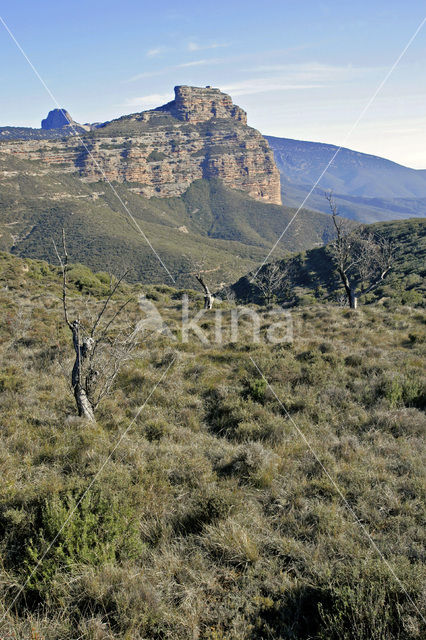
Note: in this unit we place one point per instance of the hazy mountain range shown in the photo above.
(367, 188)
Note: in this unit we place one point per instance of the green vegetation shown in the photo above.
(212, 519)
(156, 156)
(28, 133)
(314, 278)
(225, 227)
(134, 124)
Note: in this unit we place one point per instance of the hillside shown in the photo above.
(208, 222)
(367, 188)
(212, 518)
(29, 133)
(362, 209)
(315, 278)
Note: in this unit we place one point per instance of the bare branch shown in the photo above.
(93, 374)
(107, 301)
(64, 267)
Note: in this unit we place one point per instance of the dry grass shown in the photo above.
(212, 519)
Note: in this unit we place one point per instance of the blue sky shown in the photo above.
(301, 69)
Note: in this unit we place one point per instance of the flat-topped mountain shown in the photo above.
(199, 135)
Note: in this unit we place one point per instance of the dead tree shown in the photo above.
(362, 258)
(208, 296)
(272, 279)
(100, 350)
(196, 269)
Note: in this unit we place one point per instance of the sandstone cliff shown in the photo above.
(200, 134)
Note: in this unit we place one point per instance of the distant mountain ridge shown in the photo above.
(367, 188)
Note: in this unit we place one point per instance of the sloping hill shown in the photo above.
(209, 222)
(351, 173)
(361, 209)
(29, 133)
(314, 278)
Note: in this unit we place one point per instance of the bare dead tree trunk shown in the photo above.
(208, 296)
(84, 406)
(271, 278)
(362, 258)
(350, 291)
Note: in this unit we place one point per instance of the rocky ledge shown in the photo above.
(200, 104)
(200, 134)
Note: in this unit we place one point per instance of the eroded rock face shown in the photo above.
(196, 104)
(201, 134)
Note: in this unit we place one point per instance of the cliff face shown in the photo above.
(201, 134)
(196, 104)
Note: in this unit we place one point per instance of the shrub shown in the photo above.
(252, 463)
(210, 505)
(255, 389)
(156, 156)
(93, 529)
(366, 608)
(404, 390)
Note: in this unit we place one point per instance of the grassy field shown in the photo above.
(222, 513)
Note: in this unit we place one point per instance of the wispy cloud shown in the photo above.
(148, 74)
(183, 65)
(198, 63)
(149, 101)
(288, 77)
(152, 53)
(194, 46)
(266, 85)
(316, 71)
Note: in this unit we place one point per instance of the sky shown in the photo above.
(301, 69)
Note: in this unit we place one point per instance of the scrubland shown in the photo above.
(219, 513)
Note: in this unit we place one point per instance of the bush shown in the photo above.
(366, 608)
(156, 156)
(91, 529)
(255, 389)
(404, 390)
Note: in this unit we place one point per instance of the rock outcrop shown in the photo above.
(196, 104)
(61, 119)
(56, 119)
(200, 134)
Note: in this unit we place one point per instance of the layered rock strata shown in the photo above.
(200, 134)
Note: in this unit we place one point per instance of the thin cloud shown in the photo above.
(148, 74)
(315, 71)
(151, 53)
(194, 46)
(149, 101)
(265, 85)
(199, 63)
